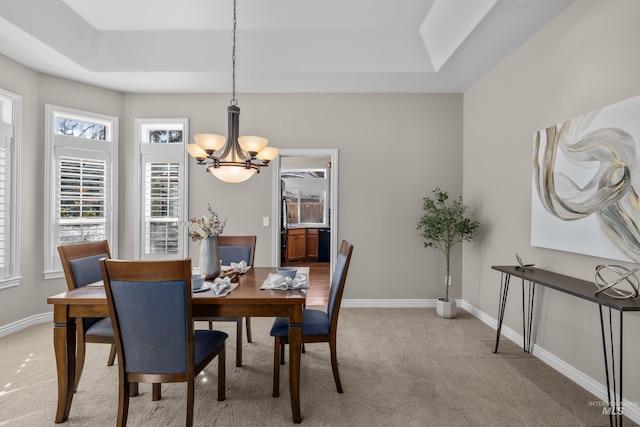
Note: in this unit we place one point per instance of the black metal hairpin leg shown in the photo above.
(504, 290)
(614, 382)
(527, 316)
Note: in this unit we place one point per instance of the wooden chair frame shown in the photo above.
(67, 254)
(346, 249)
(236, 241)
(152, 271)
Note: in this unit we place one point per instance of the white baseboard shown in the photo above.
(631, 409)
(388, 303)
(392, 303)
(25, 323)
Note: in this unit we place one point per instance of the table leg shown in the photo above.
(295, 349)
(614, 382)
(64, 344)
(504, 290)
(527, 316)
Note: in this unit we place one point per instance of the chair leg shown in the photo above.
(277, 350)
(156, 391)
(112, 355)
(334, 364)
(80, 351)
(239, 342)
(210, 324)
(248, 326)
(190, 398)
(222, 378)
(133, 389)
(282, 354)
(123, 403)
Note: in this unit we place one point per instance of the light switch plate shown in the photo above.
(265, 221)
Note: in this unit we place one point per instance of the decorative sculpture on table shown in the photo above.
(624, 275)
(522, 265)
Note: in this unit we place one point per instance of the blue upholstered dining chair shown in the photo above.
(317, 325)
(235, 249)
(150, 307)
(81, 266)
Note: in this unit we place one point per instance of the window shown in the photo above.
(10, 119)
(81, 181)
(305, 197)
(161, 190)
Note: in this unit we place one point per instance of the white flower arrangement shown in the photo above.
(207, 226)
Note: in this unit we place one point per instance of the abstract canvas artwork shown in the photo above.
(586, 184)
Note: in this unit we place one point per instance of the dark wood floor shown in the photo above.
(318, 292)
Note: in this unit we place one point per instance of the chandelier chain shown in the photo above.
(233, 58)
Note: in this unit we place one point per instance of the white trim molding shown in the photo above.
(391, 303)
(25, 323)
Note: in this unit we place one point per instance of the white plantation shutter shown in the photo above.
(10, 137)
(82, 200)
(162, 208)
(5, 205)
(161, 191)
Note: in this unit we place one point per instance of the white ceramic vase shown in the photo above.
(209, 258)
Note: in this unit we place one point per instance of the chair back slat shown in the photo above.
(152, 320)
(338, 281)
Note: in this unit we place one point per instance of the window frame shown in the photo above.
(12, 110)
(307, 184)
(161, 153)
(85, 148)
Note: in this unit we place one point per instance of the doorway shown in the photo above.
(305, 195)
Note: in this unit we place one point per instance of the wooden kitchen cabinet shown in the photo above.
(296, 244)
(302, 244)
(312, 243)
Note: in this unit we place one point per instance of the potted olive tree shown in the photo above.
(443, 226)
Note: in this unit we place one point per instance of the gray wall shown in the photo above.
(393, 150)
(584, 60)
(29, 298)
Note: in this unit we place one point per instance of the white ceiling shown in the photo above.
(282, 45)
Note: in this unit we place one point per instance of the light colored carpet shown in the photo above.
(399, 367)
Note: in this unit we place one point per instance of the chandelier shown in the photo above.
(234, 158)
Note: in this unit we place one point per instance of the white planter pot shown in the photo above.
(446, 309)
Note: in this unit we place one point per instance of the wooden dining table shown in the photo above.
(246, 300)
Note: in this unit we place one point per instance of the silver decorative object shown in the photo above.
(210, 257)
(623, 275)
(522, 265)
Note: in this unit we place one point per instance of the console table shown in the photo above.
(581, 289)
